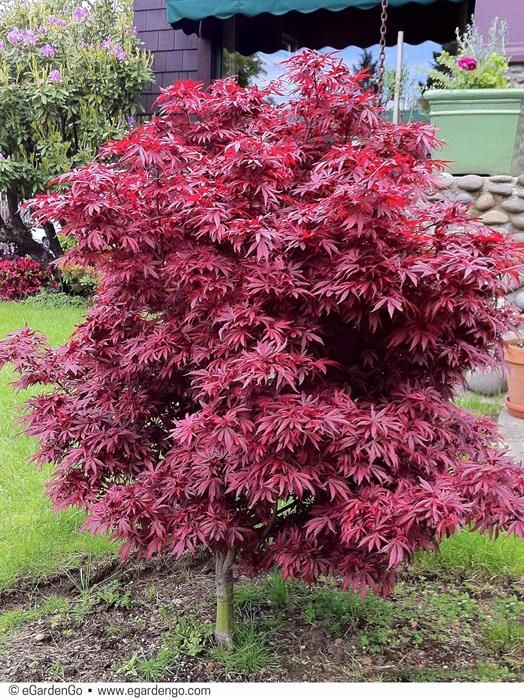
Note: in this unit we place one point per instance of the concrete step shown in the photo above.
(512, 431)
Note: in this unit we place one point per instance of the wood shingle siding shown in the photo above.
(176, 55)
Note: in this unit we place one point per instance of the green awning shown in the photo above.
(196, 10)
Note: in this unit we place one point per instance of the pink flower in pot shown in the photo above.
(467, 63)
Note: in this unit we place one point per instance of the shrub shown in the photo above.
(268, 366)
(22, 277)
(78, 280)
(70, 76)
(51, 298)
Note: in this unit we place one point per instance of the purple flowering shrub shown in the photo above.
(73, 74)
(54, 76)
(48, 51)
(80, 14)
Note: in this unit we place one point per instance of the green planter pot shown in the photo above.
(483, 130)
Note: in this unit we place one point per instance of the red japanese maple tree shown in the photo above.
(268, 367)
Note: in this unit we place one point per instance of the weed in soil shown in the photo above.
(17, 618)
(114, 597)
(502, 626)
(251, 653)
(149, 670)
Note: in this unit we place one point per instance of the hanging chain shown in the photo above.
(382, 44)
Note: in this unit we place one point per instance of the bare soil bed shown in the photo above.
(153, 622)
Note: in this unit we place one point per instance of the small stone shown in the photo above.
(488, 382)
(513, 205)
(463, 197)
(517, 237)
(485, 201)
(500, 188)
(506, 229)
(520, 180)
(501, 178)
(437, 197)
(511, 283)
(40, 637)
(518, 222)
(470, 183)
(519, 299)
(495, 218)
(510, 335)
(444, 180)
(519, 193)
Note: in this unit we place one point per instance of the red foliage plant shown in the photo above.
(22, 277)
(268, 366)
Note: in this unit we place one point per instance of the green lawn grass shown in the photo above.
(489, 406)
(34, 540)
(471, 553)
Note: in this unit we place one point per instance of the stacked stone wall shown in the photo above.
(497, 200)
(516, 74)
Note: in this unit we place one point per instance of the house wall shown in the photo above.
(513, 12)
(176, 55)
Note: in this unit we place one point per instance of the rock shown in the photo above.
(501, 178)
(488, 381)
(515, 205)
(510, 335)
(495, 218)
(513, 284)
(463, 197)
(517, 237)
(444, 180)
(519, 299)
(520, 180)
(470, 183)
(40, 637)
(485, 201)
(501, 189)
(520, 193)
(506, 229)
(518, 222)
(437, 197)
(512, 296)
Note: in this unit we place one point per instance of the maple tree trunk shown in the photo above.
(224, 592)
